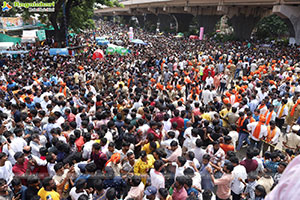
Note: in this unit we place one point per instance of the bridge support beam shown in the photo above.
(141, 20)
(183, 22)
(293, 14)
(165, 21)
(151, 22)
(243, 25)
(208, 22)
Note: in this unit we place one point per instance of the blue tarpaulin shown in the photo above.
(13, 52)
(59, 51)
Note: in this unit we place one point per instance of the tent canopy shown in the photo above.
(59, 51)
(138, 41)
(98, 54)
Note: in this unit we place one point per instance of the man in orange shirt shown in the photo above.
(226, 146)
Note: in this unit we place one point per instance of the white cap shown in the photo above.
(295, 128)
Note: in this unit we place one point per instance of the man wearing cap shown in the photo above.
(258, 132)
(150, 193)
(292, 140)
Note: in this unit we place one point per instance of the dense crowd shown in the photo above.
(174, 119)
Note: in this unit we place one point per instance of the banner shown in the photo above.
(11, 22)
(41, 34)
(130, 33)
(201, 33)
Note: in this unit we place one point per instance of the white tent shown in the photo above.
(6, 45)
(29, 36)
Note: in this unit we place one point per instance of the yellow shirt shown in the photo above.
(141, 167)
(46, 195)
(146, 147)
(223, 113)
(206, 116)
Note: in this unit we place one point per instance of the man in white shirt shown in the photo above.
(272, 137)
(239, 173)
(206, 95)
(5, 168)
(87, 147)
(198, 151)
(257, 132)
(157, 178)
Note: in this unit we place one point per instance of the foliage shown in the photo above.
(272, 27)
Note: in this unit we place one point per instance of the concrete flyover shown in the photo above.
(243, 14)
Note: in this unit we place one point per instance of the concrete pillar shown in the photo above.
(141, 20)
(183, 22)
(293, 14)
(165, 21)
(151, 22)
(243, 25)
(208, 22)
(126, 19)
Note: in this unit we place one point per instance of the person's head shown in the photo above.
(281, 167)
(174, 145)
(16, 184)
(249, 153)
(130, 157)
(33, 181)
(19, 157)
(49, 184)
(228, 167)
(111, 194)
(181, 161)
(98, 184)
(216, 145)
(143, 156)
(180, 181)
(163, 193)
(234, 160)
(111, 146)
(260, 191)
(227, 139)
(158, 165)
(205, 159)
(59, 168)
(251, 177)
(207, 195)
(3, 158)
(96, 147)
(83, 197)
(3, 185)
(80, 184)
(150, 192)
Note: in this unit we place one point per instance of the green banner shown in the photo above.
(41, 34)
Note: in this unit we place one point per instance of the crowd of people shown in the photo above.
(174, 119)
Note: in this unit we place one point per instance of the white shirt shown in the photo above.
(234, 137)
(199, 152)
(74, 195)
(284, 112)
(275, 139)
(6, 172)
(35, 148)
(237, 186)
(206, 96)
(263, 130)
(157, 179)
(87, 150)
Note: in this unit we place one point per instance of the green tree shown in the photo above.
(271, 27)
(78, 14)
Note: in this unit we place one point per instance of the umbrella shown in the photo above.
(102, 42)
(194, 37)
(98, 54)
(138, 41)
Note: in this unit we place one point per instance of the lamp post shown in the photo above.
(65, 23)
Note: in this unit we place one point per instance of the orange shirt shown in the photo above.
(227, 147)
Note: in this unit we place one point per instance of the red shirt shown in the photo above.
(250, 165)
(79, 143)
(20, 169)
(71, 117)
(180, 123)
(150, 130)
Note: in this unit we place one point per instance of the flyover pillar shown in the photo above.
(151, 22)
(141, 20)
(183, 22)
(243, 25)
(208, 22)
(165, 22)
(293, 14)
(126, 18)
